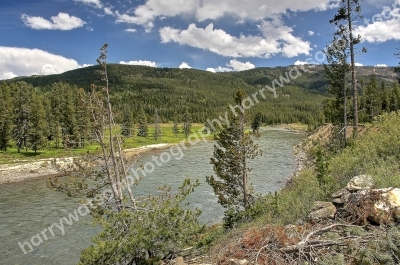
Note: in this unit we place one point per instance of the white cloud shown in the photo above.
(381, 65)
(240, 66)
(26, 62)
(384, 29)
(358, 64)
(140, 62)
(278, 39)
(131, 30)
(219, 69)
(62, 21)
(310, 33)
(95, 3)
(255, 10)
(85, 65)
(233, 65)
(184, 65)
(298, 62)
(7, 75)
(108, 11)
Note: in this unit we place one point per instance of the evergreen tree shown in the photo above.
(255, 125)
(37, 136)
(82, 117)
(373, 103)
(127, 122)
(175, 128)
(232, 152)
(335, 72)
(395, 102)
(54, 114)
(348, 11)
(187, 124)
(21, 113)
(157, 128)
(5, 116)
(385, 98)
(143, 130)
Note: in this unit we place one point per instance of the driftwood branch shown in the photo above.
(307, 242)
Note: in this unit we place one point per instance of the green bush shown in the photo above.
(376, 153)
(159, 228)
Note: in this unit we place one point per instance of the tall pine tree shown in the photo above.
(232, 152)
(21, 113)
(157, 127)
(348, 11)
(38, 131)
(187, 124)
(143, 130)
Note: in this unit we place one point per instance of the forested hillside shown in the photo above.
(203, 94)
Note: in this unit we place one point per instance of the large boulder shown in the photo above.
(386, 204)
(361, 182)
(322, 210)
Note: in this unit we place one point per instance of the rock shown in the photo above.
(386, 208)
(322, 210)
(340, 197)
(361, 182)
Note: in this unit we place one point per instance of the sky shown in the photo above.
(41, 37)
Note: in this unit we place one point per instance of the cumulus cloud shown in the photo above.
(298, 62)
(7, 75)
(310, 33)
(140, 62)
(219, 69)
(26, 62)
(85, 65)
(384, 27)
(358, 64)
(240, 66)
(278, 39)
(233, 65)
(62, 21)
(95, 3)
(381, 65)
(184, 65)
(255, 10)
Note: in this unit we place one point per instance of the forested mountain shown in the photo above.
(204, 94)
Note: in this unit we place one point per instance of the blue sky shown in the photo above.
(53, 36)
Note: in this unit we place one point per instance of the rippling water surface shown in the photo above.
(27, 208)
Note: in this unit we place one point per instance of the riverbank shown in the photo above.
(10, 173)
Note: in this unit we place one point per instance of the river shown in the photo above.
(28, 208)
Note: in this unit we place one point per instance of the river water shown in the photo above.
(28, 208)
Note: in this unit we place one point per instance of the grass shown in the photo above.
(12, 155)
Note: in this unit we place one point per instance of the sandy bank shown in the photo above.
(10, 173)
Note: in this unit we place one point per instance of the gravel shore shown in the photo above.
(10, 173)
